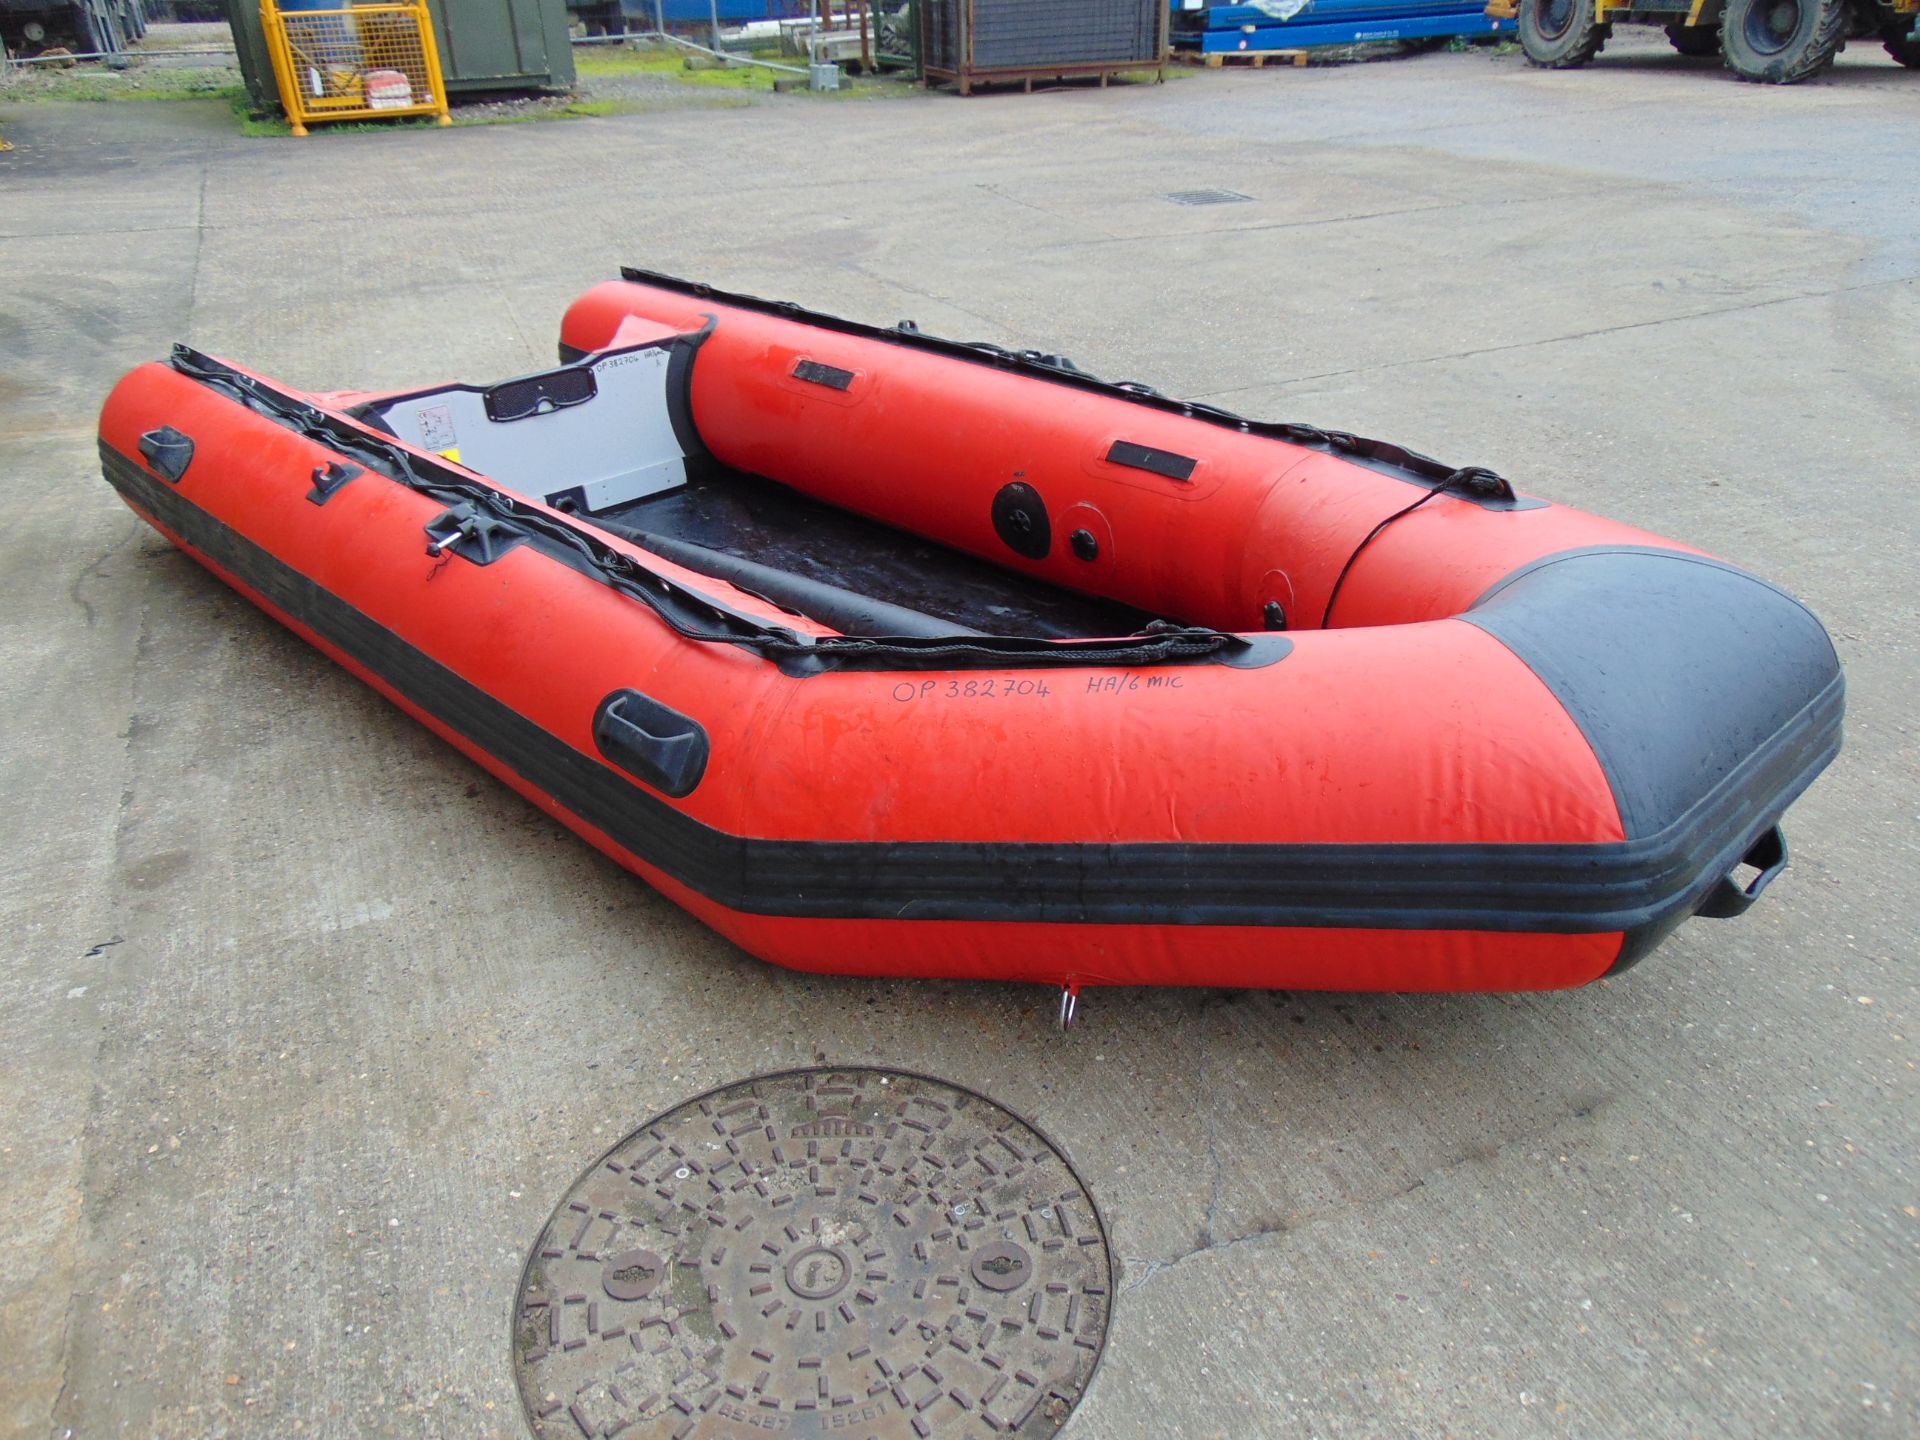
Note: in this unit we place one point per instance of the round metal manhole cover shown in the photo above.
(859, 1254)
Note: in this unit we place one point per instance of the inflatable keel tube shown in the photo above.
(1533, 742)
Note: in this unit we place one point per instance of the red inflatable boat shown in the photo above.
(893, 655)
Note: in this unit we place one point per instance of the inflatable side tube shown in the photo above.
(1519, 794)
(1710, 697)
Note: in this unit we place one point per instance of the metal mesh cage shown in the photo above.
(358, 62)
(1020, 35)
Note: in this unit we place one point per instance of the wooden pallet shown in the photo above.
(1254, 59)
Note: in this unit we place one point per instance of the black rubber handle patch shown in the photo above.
(816, 373)
(330, 477)
(541, 394)
(168, 452)
(1158, 462)
(666, 749)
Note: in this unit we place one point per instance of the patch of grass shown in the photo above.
(97, 83)
(258, 127)
(866, 87)
(627, 60)
(580, 108)
(276, 127)
(686, 67)
(692, 68)
(712, 100)
(1461, 44)
(596, 108)
(730, 77)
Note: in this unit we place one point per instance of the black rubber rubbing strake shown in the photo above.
(866, 1253)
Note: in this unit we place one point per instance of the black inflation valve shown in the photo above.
(1020, 519)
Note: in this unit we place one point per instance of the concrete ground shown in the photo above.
(308, 1022)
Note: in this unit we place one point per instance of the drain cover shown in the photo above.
(849, 1253)
(1205, 197)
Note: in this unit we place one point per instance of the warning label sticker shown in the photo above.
(436, 427)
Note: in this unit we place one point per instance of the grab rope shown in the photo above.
(1423, 469)
(1476, 479)
(689, 614)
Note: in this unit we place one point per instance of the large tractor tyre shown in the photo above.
(1695, 40)
(1561, 34)
(1782, 42)
(1901, 41)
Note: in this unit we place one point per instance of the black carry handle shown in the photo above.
(666, 749)
(1727, 899)
(540, 394)
(168, 452)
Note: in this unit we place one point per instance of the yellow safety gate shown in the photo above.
(359, 62)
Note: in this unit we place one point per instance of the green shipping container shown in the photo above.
(484, 45)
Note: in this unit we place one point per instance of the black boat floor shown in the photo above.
(772, 525)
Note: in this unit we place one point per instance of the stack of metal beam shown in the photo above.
(1265, 25)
